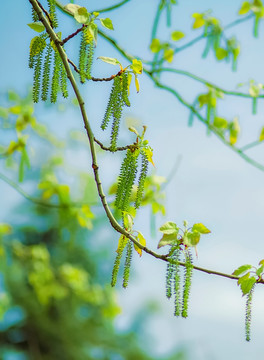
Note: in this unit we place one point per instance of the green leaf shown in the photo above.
(109, 60)
(128, 221)
(137, 66)
(234, 131)
(201, 228)
(221, 53)
(37, 26)
(244, 8)
(168, 55)
(82, 15)
(93, 29)
(246, 283)
(168, 239)
(3, 113)
(169, 228)
(199, 20)
(261, 262)
(142, 241)
(149, 153)
(155, 46)
(220, 123)
(5, 229)
(191, 238)
(137, 83)
(241, 269)
(177, 35)
(107, 23)
(259, 271)
(261, 136)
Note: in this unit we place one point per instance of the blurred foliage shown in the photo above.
(55, 296)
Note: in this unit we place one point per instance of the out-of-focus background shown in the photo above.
(56, 301)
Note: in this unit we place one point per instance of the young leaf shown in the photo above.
(109, 60)
(37, 26)
(168, 239)
(191, 238)
(137, 66)
(155, 46)
(261, 262)
(149, 155)
(199, 20)
(201, 228)
(234, 131)
(142, 241)
(261, 136)
(169, 228)
(136, 83)
(241, 270)
(221, 53)
(107, 23)
(121, 243)
(128, 221)
(177, 35)
(220, 123)
(168, 55)
(244, 8)
(247, 284)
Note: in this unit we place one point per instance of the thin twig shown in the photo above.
(72, 35)
(93, 78)
(205, 82)
(122, 148)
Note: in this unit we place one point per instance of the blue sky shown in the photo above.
(213, 184)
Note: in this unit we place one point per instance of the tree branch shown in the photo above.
(90, 135)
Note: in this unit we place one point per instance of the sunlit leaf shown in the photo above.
(149, 154)
(137, 83)
(37, 26)
(201, 228)
(137, 66)
(168, 239)
(142, 241)
(155, 46)
(221, 53)
(169, 228)
(109, 60)
(177, 35)
(107, 23)
(168, 55)
(261, 136)
(244, 8)
(242, 269)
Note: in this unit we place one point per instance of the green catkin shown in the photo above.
(52, 12)
(82, 59)
(125, 89)
(177, 282)
(248, 314)
(187, 284)
(37, 77)
(117, 260)
(142, 178)
(63, 80)
(117, 113)
(111, 103)
(127, 264)
(55, 87)
(37, 45)
(169, 277)
(89, 50)
(126, 180)
(46, 74)
(34, 15)
(89, 62)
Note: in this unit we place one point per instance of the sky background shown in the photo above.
(213, 185)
